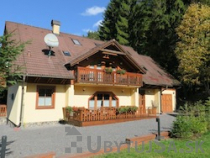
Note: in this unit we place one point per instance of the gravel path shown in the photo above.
(35, 140)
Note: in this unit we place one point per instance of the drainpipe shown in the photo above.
(22, 98)
(160, 100)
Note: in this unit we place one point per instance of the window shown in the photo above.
(66, 53)
(45, 97)
(97, 44)
(103, 99)
(76, 42)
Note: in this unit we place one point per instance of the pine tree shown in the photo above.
(107, 30)
(116, 21)
(153, 30)
(9, 72)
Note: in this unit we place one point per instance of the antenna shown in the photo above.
(51, 41)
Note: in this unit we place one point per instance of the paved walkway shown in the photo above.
(35, 140)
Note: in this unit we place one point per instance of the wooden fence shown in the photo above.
(108, 113)
(3, 110)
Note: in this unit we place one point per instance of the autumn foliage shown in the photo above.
(193, 48)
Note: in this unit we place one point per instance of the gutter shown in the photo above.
(22, 98)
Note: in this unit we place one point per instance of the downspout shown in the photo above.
(160, 100)
(22, 99)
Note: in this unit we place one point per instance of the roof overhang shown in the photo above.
(103, 49)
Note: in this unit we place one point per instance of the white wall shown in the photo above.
(31, 114)
(14, 103)
(126, 96)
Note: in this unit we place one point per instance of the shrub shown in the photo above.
(207, 103)
(192, 121)
(181, 128)
(133, 109)
(127, 109)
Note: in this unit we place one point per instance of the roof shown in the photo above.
(37, 63)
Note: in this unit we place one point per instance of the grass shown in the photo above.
(170, 146)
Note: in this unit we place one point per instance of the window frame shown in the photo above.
(95, 98)
(52, 96)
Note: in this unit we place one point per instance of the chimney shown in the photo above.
(55, 27)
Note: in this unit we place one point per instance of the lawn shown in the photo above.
(173, 148)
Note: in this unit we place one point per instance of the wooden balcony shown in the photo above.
(98, 76)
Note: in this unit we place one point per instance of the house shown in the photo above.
(82, 72)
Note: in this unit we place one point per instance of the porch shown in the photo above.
(99, 76)
(106, 115)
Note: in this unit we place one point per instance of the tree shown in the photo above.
(153, 31)
(9, 71)
(116, 23)
(193, 48)
(107, 30)
(93, 35)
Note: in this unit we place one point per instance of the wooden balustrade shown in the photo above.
(87, 75)
(106, 113)
(3, 110)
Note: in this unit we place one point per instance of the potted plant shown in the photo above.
(121, 71)
(69, 110)
(133, 109)
(108, 70)
(123, 110)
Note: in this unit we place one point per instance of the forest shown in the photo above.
(175, 33)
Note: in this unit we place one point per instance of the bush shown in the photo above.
(127, 109)
(133, 109)
(192, 121)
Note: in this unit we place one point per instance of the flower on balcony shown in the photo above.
(121, 71)
(108, 70)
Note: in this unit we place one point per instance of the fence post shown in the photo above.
(3, 146)
(158, 135)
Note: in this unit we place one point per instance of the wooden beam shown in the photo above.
(113, 52)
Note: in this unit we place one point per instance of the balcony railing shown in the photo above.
(98, 76)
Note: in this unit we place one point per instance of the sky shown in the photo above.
(76, 16)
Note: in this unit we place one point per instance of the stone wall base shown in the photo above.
(39, 124)
(3, 120)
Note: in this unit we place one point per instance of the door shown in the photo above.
(142, 108)
(166, 100)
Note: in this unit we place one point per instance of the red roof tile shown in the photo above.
(36, 63)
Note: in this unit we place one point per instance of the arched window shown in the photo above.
(103, 99)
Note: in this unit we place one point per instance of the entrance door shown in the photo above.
(142, 108)
(166, 100)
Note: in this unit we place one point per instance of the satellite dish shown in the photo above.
(51, 40)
